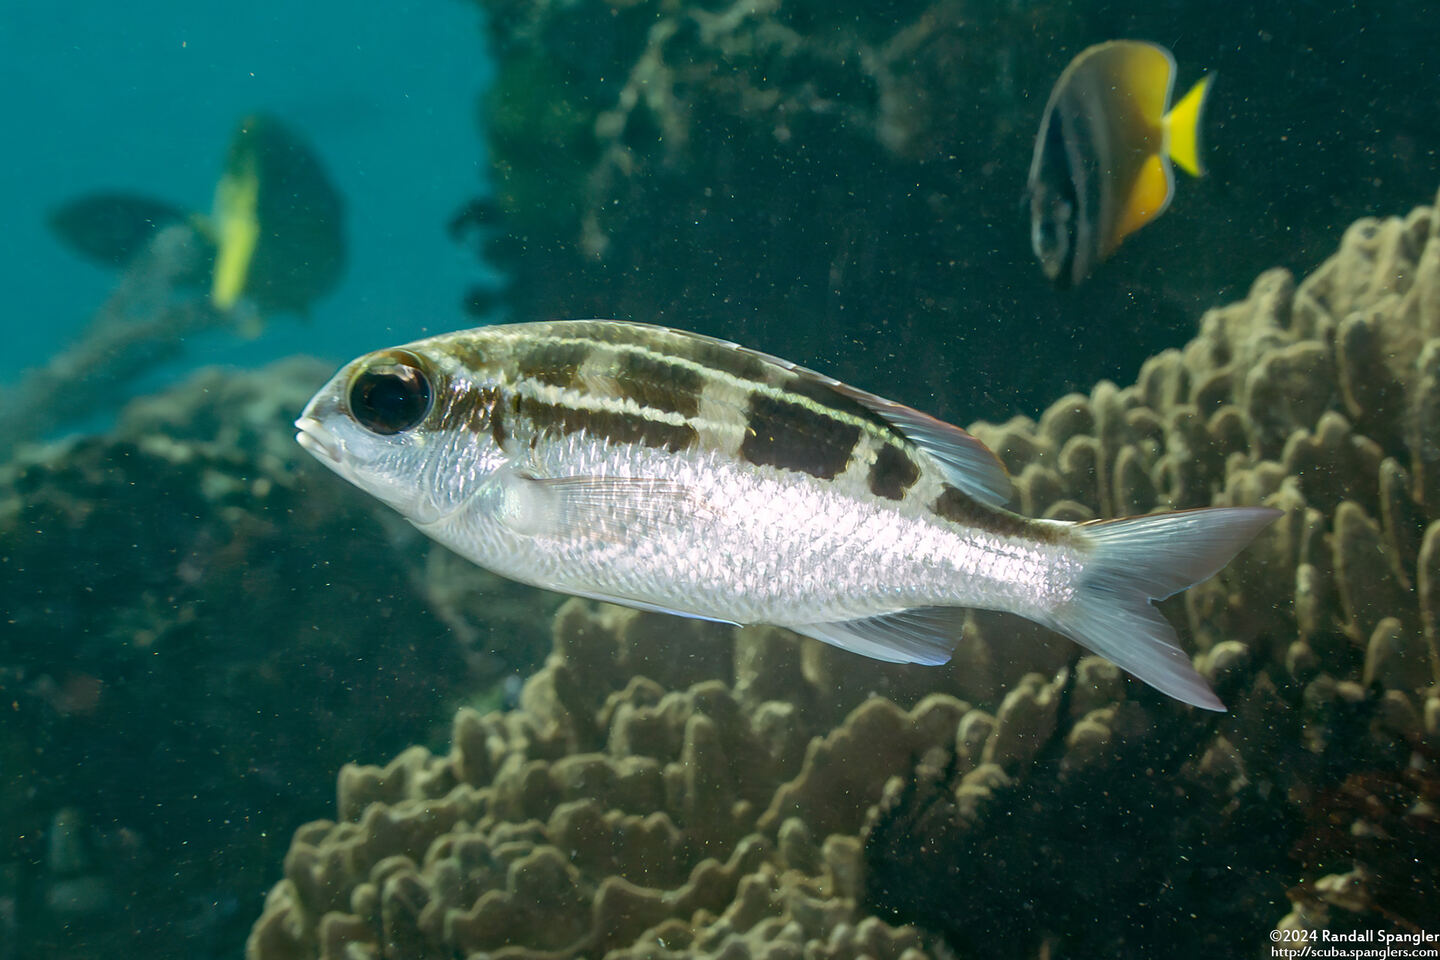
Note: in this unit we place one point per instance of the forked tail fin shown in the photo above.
(1182, 129)
(1135, 560)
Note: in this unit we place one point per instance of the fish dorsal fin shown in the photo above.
(924, 635)
(1149, 196)
(966, 462)
(1141, 72)
(1182, 129)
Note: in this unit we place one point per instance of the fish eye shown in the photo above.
(391, 397)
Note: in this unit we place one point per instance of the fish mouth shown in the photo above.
(318, 441)
(323, 445)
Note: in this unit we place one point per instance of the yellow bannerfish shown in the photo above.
(1101, 168)
(276, 227)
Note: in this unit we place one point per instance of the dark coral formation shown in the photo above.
(670, 787)
(184, 661)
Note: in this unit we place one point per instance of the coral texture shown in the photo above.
(670, 787)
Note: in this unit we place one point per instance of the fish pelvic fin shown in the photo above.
(1136, 560)
(1182, 128)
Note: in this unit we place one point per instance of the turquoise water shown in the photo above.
(144, 98)
(200, 627)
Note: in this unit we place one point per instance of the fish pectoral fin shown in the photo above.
(1149, 196)
(614, 509)
(915, 635)
(1182, 128)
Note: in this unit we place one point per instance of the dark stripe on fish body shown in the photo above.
(657, 383)
(498, 430)
(892, 473)
(726, 358)
(553, 362)
(788, 436)
(468, 352)
(957, 507)
(731, 360)
(616, 426)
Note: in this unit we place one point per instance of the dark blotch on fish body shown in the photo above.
(657, 383)
(823, 392)
(553, 362)
(789, 436)
(726, 359)
(892, 473)
(498, 430)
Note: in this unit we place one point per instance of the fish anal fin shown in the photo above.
(925, 635)
(1182, 128)
(1148, 197)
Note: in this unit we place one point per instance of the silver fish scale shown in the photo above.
(773, 546)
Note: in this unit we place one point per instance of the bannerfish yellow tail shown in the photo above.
(1182, 129)
(1101, 168)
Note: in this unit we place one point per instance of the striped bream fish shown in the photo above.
(674, 472)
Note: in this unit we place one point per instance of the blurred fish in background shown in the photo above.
(1101, 168)
(276, 222)
(111, 227)
(272, 243)
(275, 229)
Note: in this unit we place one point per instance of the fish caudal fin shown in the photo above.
(1136, 560)
(1182, 128)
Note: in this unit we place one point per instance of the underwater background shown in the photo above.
(246, 711)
